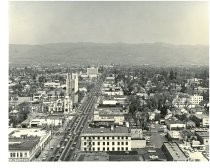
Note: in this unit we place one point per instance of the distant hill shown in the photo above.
(118, 53)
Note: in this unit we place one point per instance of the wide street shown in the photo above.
(70, 143)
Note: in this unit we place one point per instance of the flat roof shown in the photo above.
(18, 132)
(118, 131)
(27, 143)
(93, 157)
(201, 116)
(175, 151)
(149, 155)
(173, 121)
(107, 112)
(202, 133)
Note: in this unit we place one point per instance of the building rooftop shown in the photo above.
(155, 154)
(175, 151)
(120, 130)
(19, 132)
(173, 121)
(93, 157)
(27, 143)
(201, 116)
(202, 133)
(110, 112)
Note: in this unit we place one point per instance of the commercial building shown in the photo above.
(106, 139)
(110, 139)
(46, 120)
(201, 120)
(196, 99)
(113, 117)
(203, 137)
(173, 152)
(92, 72)
(26, 144)
(174, 124)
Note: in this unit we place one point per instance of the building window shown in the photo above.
(122, 137)
(126, 148)
(103, 143)
(93, 137)
(122, 149)
(89, 149)
(93, 143)
(98, 143)
(17, 154)
(112, 148)
(98, 138)
(103, 138)
(103, 149)
(13, 154)
(118, 143)
(25, 154)
(126, 137)
(84, 138)
(21, 155)
(89, 143)
(85, 143)
(112, 137)
(118, 137)
(112, 143)
(93, 149)
(122, 143)
(126, 143)
(107, 143)
(10, 154)
(118, 149)
(89, 137)
(107, 148)
(107, 137)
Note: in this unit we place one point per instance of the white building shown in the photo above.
(48, 120)
(196, 99)
(92, 72)
(106, 139)
(25, 144)
(52, 84)
(108, 116)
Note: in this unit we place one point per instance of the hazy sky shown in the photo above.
(106, 22)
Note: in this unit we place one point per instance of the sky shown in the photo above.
(108, 22)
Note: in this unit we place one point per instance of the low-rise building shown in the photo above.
(201, 120)
(173, 152)
(25, 144)
(174, 124)
(106, 139)
(203, 137)
(109, 139)
(196, 99)
(46, 120)
(115, 117)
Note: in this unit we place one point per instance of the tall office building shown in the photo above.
(75, 87)
(68, 105)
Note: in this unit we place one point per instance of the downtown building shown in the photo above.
(92, 72)
(115, 138)
(25, 144)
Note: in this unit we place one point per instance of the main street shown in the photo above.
(71, 140)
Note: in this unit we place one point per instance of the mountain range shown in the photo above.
(106, 53)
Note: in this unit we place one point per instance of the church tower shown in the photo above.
(67, 101)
